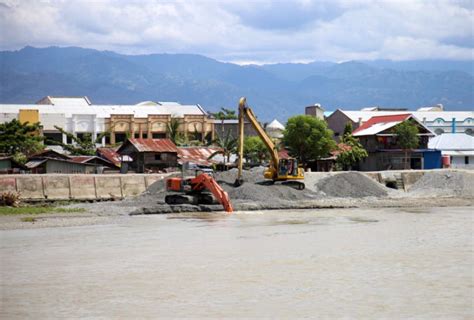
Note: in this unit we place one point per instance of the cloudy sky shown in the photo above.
(244, 31)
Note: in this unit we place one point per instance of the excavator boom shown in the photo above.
(286, 170)
(204, 181)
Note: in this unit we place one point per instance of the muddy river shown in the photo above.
(351, 263)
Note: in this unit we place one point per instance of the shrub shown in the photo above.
(9, 198)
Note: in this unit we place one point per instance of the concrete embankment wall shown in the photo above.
(77, 186)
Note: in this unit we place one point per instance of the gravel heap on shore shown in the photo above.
(255, 188)
(350, 184)
(439, 183)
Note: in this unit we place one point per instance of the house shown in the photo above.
(51, 161)
(438, 122)
(55, 165)
(102, 164)
(150, 155)
(459, 147)
(8, 165)
(384, 153)
(79, 116)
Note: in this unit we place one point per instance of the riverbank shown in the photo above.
(441, 188)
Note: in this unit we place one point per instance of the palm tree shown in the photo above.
(82, 146)
(172, 129)
(227, 146)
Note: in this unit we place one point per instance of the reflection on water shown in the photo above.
(377, 263)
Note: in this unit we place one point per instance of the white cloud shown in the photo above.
(257, 31)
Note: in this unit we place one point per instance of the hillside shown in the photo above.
(277, 90)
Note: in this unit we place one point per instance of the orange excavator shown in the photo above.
(202, 189)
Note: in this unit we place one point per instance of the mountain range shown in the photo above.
(273, 90)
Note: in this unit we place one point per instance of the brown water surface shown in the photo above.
(340, 263)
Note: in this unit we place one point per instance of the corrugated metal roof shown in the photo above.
(34, 163)
(452, 141)
(70, 101)
(110, 154)
(152, 145)
(197, 155)
(458, 153)
(80, 159)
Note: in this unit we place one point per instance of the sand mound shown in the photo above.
(439, 183)
(350, 184)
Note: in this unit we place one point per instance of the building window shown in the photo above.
(466, 160)
(156, 135)
(336, 134)
(158, 156)
(144, 135)
(52, 137)
(120, 137)
(136, 135)
(69, 140)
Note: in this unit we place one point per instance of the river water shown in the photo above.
(350, 263)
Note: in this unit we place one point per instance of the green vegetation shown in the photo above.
(226, 145)
(407, 137)
(20, 139)
(225, 114)
(85, 146)
(351, 151)
(307, 138)
(255, 150)
(28, 219)
(37, 210)
(172, 130)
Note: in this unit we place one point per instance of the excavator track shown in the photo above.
(298, 185)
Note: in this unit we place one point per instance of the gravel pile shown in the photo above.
(350, 184)
(255, 188)
(439, 183)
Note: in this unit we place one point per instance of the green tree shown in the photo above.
(172, 129)
(226, 145)
(85, 146)
(20, 139)
(351, 151)
(347, 129)
(254, 149)
(407, 137)
(307, 138)
(225, 114)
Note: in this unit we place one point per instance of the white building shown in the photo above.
(458, 146)
(78, 116)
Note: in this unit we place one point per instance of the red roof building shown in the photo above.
(150, 155)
